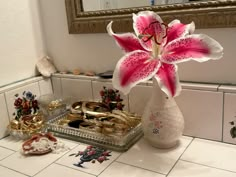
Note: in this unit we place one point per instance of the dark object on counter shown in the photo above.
(233, 132)
(106, 75)
(75, 123)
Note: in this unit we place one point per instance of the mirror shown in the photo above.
(205, 14)
(96, 5)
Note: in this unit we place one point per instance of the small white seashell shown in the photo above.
(45, 67)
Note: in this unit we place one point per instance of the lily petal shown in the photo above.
(127, 41)
(132, 69)
(168, 79)
(149, 26)
(196, 47)
(176, 29)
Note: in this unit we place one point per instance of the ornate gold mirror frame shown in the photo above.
(205, 14)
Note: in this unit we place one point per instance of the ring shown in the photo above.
(76, 108)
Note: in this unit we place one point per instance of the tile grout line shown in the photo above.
(8, 156)
(74, 169)
(208, 139)
(202, 90)
(54, 161)
(92, 90)
(208, 166)
(179, 157)
(215, 88)
(218, 88)
(4, 137)
(128, 103)
(62, 92)
(14, 170)
(53, 86)
(110, 164)
(39, 89)
(8, 149)
(141, 168)
(223, 118)
(8, 112)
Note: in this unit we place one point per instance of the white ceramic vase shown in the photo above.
(162, 120)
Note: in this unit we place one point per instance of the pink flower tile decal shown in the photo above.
(91, 154)
(88, 159)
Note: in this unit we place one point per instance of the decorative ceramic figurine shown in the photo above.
(153, 52)
(27, 118)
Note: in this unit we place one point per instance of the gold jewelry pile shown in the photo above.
(54, 104)
(96, 117)
(26, 126)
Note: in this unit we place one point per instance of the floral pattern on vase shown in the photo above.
(162, 120)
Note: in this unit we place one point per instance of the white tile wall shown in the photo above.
(227, 88)
(229, 111)
(36, 85)
(138, 98)
(10, 95)
(77, 89)
(20, 84)
(197, 86)
(229, 116)
(98, 86)
(201, 104)
(78, 77)
(45, 86)
(3, 117)
(202, 111)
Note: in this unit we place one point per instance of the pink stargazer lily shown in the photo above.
(156, 49)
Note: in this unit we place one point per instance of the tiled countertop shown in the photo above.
(192, 158)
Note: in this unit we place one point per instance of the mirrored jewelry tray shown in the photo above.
(116, 142)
